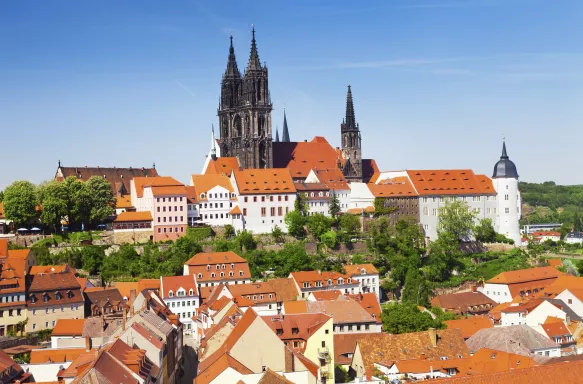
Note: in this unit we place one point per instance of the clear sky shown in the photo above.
(436, 83)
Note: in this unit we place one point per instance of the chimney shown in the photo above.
(289, 360)
(432, 336)
(87, 344)
(422, 356)
(131, 311)
(474, 289)
(102, 318)
(132, 296)
(124, 318)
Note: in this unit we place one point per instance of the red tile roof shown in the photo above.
(546, 233)
(160, 181)
(526, 275)
(222, 166)
(68, 327)
(204, 183)
(204, 266)
(331, 294)
(296, 327)
(469, 326)
(370, 303)
(116, 176)
(292, 307)
(174, 283)
(358, 269)
(333, 178)
(450, 182)
(61, 355)
(325, 278)
(218, 366)
(395, 187)
(272, 180)
(557, 329)
(301, 157)
(285, 288)
(464, 302)
(133, 216)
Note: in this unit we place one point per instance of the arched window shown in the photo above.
(200, 275)
(218, 267)
(231, 274)
(222, 274)
(223, 266)
(240, 273)
(208, 267)
(202, 195)
(363, 271)
(213, 275)
(232, 266)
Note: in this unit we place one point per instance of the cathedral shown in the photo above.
(246, 128)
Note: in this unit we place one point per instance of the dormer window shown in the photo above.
(58, 296)
(232, 266)
(32, 298)
(190, 292)
(222, 274)
(349, 281)
(254, 297)
(223, 266)
(200, 276)
(295, 331)
(208, 267)
(202, 195)
(329, 281)
(213, 275)
(69, 294)
(231, 274)
(363, 271)
(340, 281)
(45, 297)
(218, 267)
(170, 294)
(240, 273)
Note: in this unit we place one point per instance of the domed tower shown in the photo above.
(508, 211)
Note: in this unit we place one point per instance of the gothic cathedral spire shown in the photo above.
(285, 133)
(351, 142)
(245, 112)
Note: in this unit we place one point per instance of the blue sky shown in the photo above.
(437, 83)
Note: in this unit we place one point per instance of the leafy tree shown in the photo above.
(333, 204)
(246, 241)
(101, 199)
(318, 224)
(329, 238)
(277, 234)
(188, 245)
(564, 230)
(295, 223)
(415, 290)
(229, 231)
(20, 202)
(349, 226)
(92, 259)
(406, 318)
(53, 198)
(341, 374)
(291, 258)
(1, 196)
(484, 231)
(380, 209)
(455, 219)
(357, 259)
(301, 205)
(577, 222)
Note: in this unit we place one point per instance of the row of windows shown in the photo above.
(169, 199)
(312, 194)
(176, 304)
(217, 195)
(439, 199)
(170, 230)
(132, 225)
(271, 198)
(272, 211)
(181, 293)
(350, 328)
(315, 203)
(11, 312)
(307, 284)
(222, 274)
(54, 309)
(215, 216)
(10, 299)
(217, 205)
(261, 297)
(222, 266)
(170, 209)
(170, 219)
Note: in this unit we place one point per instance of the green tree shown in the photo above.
(577, 222)
(380, 209)
(318, 224)
(333, 204)
(246, 240)
(229, 231)
(1, 196)
(564, 230)
(349, 226)
(53, 199)
(20, 202)
(291, 258)
(92, 259)
(102, 200)
(455, 219)
(484, 231)
(277, 234)
(295, 223)
(405, 318)
(415, 290)
(301, 205)
(188, 245)
(329, 239)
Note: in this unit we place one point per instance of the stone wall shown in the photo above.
(134, 237)
(13, 341)
(465, 287)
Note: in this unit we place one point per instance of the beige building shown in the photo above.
(51, 297)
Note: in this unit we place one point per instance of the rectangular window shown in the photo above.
(286, 209)
(181, 208)
(285, 197)
(254, 199)
(158, 209)
(245, 199)
(279, 198)
(263, 211)
(244, 211)
(506, 210)
(279, 211)
(270, 198)
(272, 211)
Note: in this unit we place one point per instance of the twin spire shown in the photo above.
(254, 64)
(350, 119)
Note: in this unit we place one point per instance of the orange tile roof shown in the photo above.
(172, 190)
(525, 275)
(343, 346)
(61, 355)
(546, 233)
(149, 284)
(251, 290)
(38, 269)
(561, 283)
(125, 288)
(235, 211)
(293, 307)
(344, 310)
(222, 166)
(333, 178)
(272, 180)
(3, 247)
(204, 267)
(469, 326)
(357, 269)
(68, 327)
(133, 216)
(191, 196)
(552, 319)
(123, 202)
(301, 157)
(450, 182)
(220, 303)
(325, 278)
(243, 302)
(174, 283)
(18, 253)
(285, 289)
(556, 329)
(555, 262)
(159, 181)
(326, 295)
(359, 211)
(296, 327)
(568, 372)
(463, 302)
(395, 187)
(204, 258)
(218, 366)
(370, 303)
(204, 183)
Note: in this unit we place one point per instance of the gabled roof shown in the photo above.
(450, 182)
(395, 187)
(205, 258)
(333, 178)
(344, 345)
(462, 301)
(344, 310)
(44, 269)
(285, 289)
(50, 355)
(222, 166)
(174, 283)
(331, 294)
(369, 302)
(324, 277)
(301, 157)
(358, 269)
(469, 326)
(160, 181)
(293, 307)
(525, 275)
(218, 366)
(270, 377)
(557, 329)
(269, 180)
(204, 183)
(297, 326)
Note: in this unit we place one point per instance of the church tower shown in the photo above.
(508, 207)
(351, 143)
(245, 112)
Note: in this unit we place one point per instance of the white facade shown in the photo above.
(538, 315)
(343, 329)
(484, 206)
(184, 307)
(508, 208)
(572, 301)
(368, 283)
(343, 195)
(215, 205)
(513, 318)
(360, 196)
(551, 352)
(500, 293)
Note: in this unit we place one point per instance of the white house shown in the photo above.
(336, 183)
(180, 294)
(216, 200)
(547, 235)
(573, 298)
(574, 238)
(532, 313)
(505, 286)
(316, 196)
(367, 276)
(360, 196)
(265, 197)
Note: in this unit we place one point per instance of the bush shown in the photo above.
(229, 231)
(200, 233)
(329, 239)
(246, 240)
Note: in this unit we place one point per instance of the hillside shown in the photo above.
(548, 202)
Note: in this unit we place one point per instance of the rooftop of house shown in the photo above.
(395, 187)
(56, 355)
(68, 327)
(285, 289)
(175, 283)
(222, 166)
(268, 180)
(125, 217)
(518, 339)
(157, 182)
(463, 301)
(204, 183)
(525, 275)
(211, 258)
(344, 347)
(344, 310)
(469, 326)
(333, 178)
(325, 278)
(360, 269)
(331, 294)
(296, 326)
(450, 182)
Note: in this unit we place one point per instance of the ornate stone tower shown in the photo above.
(245, 112)
(351, 143)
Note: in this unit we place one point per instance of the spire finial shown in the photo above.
(213, 144)
(254, 62)
(59, 163)
(285, 133)
(350, 119)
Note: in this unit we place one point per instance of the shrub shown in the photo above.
(329, 238)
